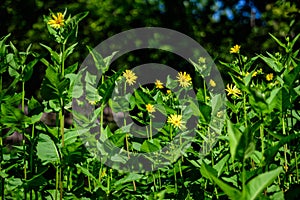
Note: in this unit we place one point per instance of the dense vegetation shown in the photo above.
(244, 144)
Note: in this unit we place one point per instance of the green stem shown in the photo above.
(285, 146)
(245, 109)
(63, 59)
(127, 145)
(23, 137)
(23, 97)
(1, 159)
(101, 118)
(175, 178)
(56, 182)
(60, 183)
(262, 138)
(150, 128)
(296, 161)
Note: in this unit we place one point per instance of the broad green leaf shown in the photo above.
(105, 90)
(234, 136)
(256, 185)
(118, 139)
(210, 173)
(131, 177)
(69, 50)
(276, 66)
(273, 150)
(29, 69)
(98, 59)
(47, 151)
(71, 69)
(219, 166)
(54, 55)
(149, 146)
(279, 99)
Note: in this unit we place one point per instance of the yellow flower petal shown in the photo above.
(130, 77)
(184, 79)
(57, 21)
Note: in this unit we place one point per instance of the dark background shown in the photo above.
(216, 25)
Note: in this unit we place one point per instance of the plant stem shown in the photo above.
(23, 137)
(285, 146)
(175, 178)
(56, 182)
(150, 128)
(245, 110)
(261, 131)
(60, 183)
(296, 161)
(1, 159)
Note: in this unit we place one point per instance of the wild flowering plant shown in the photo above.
(254, 156)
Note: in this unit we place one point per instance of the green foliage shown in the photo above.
(255, 156)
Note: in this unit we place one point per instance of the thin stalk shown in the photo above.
(1, 158)
(285, 146)
(127, 145)
(245, 109)
(60, 183)
(175, 178)
(23, 137)
(261, 131)
(31, 162)
(150, 128)
(102, 110)
(159, 179)
(297, 174)
(56, 182)
(63, 59)
(154, 184)
(89, 180)
(62, 123)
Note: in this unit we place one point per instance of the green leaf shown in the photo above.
(276, 66)
(54, 55)
(272, 151)
(29, 69)
(211, 174)
(105, 90)
(279, 99)
(219, 166)
(47, 151)
(256, 185)
(131, 177)
(69, 50)
(234, 136)
(149, 146)
(88, 173)
(278, 41)
(118, 139)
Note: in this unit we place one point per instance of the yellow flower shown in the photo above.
(233, 90)
(184, 79)
(159, 84)
(57, 21)
(130, 77)
(235, 49)
(212, 83)
(150, 108)
(175, 120)
(270, 77)
(169, 91)
(253, 75)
